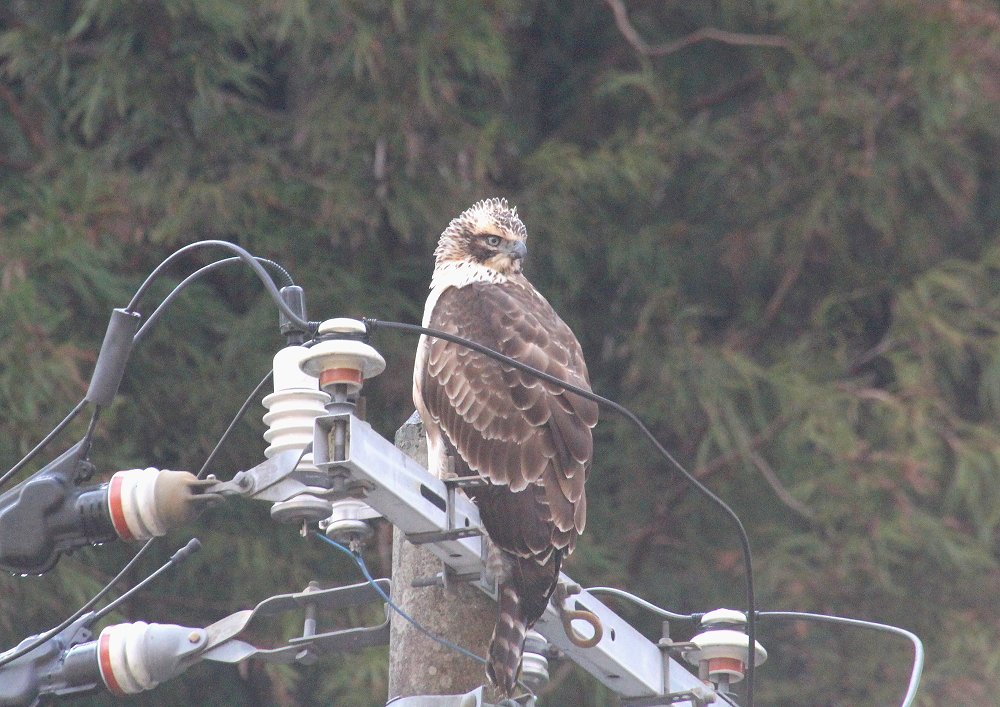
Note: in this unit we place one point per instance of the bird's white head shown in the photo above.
(487, 240)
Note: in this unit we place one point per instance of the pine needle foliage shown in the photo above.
(773, 225)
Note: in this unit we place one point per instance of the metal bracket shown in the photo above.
(416, 502)
(469, 699)
(447, 575)
(436, 536)
(451, 532)
(224, 647)
(445, 578)
(696, 696)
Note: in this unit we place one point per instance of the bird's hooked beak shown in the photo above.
(518, 250)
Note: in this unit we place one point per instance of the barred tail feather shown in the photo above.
(507, 643)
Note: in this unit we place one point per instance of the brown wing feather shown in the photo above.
(524, 435)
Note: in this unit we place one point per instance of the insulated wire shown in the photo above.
(236, 418)
(89, 434)
(256, 263)
(45, 441)
(243, 255)
(192, 546)
(643, 603)
(211, 267)
(360, 562)
(42, 638)
(374, 324)
(918, 646)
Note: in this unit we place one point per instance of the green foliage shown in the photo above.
(780, 249)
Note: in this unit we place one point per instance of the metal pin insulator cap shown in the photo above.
(304, 507)
(348, 521)
(722, 646)
(342, 359)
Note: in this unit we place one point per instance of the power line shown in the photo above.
(918, 646)
(44, 443)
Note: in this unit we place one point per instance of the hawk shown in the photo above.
(531, 441)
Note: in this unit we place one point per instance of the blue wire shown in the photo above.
(385, 597)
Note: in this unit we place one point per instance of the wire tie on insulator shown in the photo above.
(568, 616)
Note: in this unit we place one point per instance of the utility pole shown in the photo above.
(460, 613)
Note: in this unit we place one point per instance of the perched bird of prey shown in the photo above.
(529, 440)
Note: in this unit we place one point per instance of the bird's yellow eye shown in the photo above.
(493, 241)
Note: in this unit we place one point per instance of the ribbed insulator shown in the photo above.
(293, 406)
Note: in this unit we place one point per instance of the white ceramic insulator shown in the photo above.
(132, 504)
(120, 657)
(723, 616)
(724, 652)
(350, 509)
(293, 406)
(343, 353)
(137, 656)
(534, 666)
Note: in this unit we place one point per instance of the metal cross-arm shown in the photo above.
(427, 511)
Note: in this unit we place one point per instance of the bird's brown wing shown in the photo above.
(513, 429)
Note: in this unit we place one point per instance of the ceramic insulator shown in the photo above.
(132, 505)
(293, 406)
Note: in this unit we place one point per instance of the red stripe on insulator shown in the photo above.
(104, 663)
(340, 375)
(115, 509)
(731, 665)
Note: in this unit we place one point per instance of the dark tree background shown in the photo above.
(773, 224)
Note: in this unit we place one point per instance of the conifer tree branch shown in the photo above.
(31, 133)
(705, 34)
(723, 460)
(641, 539)
(783, 494)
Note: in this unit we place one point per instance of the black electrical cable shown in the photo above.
(374, 324)
(44, 443)
(236, 418)
(192, 546)
(918, 645)
(211, 267)
(42, 638)
(243, 255)
(256, 263)
(286, 278)
(89, 434)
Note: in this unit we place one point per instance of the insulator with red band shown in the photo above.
(721, 648)
(138, 656)
(147, 503)
(342, 360)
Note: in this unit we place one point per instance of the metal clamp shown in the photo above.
(451, 532)
(697, 696)
(224, 647)
(447, 575)
(277, 479)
